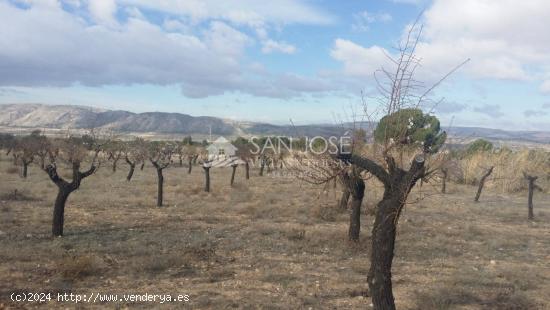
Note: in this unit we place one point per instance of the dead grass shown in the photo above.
(270, 243)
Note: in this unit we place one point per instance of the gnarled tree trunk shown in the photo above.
(132, 168)
(131, 172)
(59, 210)
(64, 190)
(482, 182)
(397, 185)
(357, 194)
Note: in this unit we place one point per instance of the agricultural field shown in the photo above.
(270, 242)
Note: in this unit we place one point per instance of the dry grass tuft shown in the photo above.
(78, 267)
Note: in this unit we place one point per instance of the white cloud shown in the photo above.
(359, 61)
(364, 19)
(48, 46)
(545, 87)
(251, 12)
(504, 40)
(269, 46)
(103, 11)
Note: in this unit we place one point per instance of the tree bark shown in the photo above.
(247, 169)
(383, 244)
(131, 172)
(482, 182)
(531, 180)
(25, 167)
(234, 167)
(262, 166)
(190, 165)
(343, 203)
(59, 211)
(207, 176)
(160, 187)
(357, 194)
(397, 186)
(142, 165)
(64, 190)
(445, 172)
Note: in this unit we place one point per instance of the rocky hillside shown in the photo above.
(80, 117)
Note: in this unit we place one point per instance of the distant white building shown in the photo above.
(221, 148)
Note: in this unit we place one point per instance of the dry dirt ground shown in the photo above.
(270, 243)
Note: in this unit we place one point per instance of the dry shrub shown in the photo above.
(78, 267)
(509, 165)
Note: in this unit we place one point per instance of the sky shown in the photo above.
(309, 61)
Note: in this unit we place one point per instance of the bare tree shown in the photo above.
(24, 152)
(73, 152)
(134, 152)
(531, 181)
(404, 132)
(115, 151)
(482, 181)
(160, 156)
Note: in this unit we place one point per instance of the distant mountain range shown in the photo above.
(58, 117)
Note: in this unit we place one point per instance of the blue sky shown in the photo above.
(304, 60)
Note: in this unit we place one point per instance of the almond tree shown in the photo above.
(405, 138)
(72, 152)
(24, 152)
(115, 151)
(160, 155)
(134, 152)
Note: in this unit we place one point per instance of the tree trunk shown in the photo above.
(59, 211)
(131, 172)
(234, 167)
(25, 167)
(181, 161)
(190, 165)
(531, 180)
(482, 183)
(207, 176)
(383, 244)
(114, 164)
(357, 194)
(343, 204)
(160, 187)
(444, 171)
(247, 169)
(142, 165)
(262, 166)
